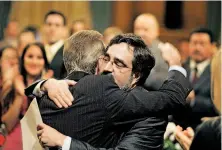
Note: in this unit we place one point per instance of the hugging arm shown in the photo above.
(147, 134)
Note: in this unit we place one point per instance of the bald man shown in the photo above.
(147, 27)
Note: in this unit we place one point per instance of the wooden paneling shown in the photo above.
(194, 15)
(33, 12)
(153, 7)
(122, 14)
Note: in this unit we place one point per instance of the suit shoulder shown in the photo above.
(92, 84)
(95, 79)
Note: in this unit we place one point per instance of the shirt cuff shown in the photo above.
(180, 69)
(37, 90)
(67, 143)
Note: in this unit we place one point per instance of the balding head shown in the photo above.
(147, 27)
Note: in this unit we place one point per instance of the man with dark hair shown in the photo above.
(55, 12)
(54, 26)
(32, 29)
(107, 106)
(25, 37)
(201, 42)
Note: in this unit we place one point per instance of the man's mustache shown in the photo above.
(196, 52)
(105, 72)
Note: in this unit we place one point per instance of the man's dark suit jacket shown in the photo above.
(57, 64)
(101, 111)
(208, 135)
(203, 105)
(144, 135)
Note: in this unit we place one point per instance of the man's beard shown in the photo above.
(128, 85)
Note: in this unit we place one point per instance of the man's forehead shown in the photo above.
(120, 47)
(200, 36)
(121, 51)
(54, 18)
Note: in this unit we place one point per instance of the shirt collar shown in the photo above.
(55, 46)
(76, 75)
(200, 66)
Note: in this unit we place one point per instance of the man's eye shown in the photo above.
(119, 64)
(106, 59)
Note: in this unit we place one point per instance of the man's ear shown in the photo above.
(136, 76)
(97, 69)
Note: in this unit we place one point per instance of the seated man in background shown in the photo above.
(208, 133)
(201, 41)
(123, 64)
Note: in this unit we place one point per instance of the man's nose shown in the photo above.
(139, 33)
(109, 67)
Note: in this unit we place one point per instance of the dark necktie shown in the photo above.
(194, 79)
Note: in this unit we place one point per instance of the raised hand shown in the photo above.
(19, 85)
(170, 54)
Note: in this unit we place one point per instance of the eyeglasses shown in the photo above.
(116, 63)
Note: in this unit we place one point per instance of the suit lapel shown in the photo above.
(58, 55)
(186, 66)
(57, 64)
(204, 77)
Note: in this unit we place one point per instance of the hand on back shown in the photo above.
(58, 91)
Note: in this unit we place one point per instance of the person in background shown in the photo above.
(147, 27)
(201, 43)
(54, 26)
(208, 134)
(183, 47)
(34, 65)
(216, 72)
(10, 34)
(9, 68)
(25, 37)
(34, 29)
(109, 33)
(78, 25)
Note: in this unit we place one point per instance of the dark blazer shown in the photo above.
(160, 71)
(203, 105)
(102, 112)
(144, 135)
(57, 64)
(208, 135)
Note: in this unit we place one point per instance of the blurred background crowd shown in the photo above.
(32, 37)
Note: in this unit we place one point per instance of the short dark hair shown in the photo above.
(22, 67)
(4, 48)
(143, 60)
(203, 30)
(54, 12)
(32, 29)
(27, 30)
